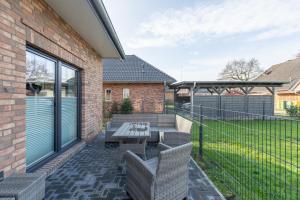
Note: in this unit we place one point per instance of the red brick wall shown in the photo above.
(35, 23)
(145, 97)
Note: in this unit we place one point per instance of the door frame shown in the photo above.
(58, 149)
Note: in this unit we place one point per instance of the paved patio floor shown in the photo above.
(93, 173)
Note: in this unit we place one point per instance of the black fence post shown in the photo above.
(201, 133)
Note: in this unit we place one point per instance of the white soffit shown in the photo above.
(81, 16)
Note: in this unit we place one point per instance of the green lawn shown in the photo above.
(251, 159)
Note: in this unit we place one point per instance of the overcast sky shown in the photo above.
(193, 40)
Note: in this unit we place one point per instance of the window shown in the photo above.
(107, 94)
(125, 93)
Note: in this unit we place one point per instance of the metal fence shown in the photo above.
(248, 156)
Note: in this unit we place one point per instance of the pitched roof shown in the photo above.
(287, 71)
(133, 69)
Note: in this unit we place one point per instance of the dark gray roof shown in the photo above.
(133, 69)
(288, 71)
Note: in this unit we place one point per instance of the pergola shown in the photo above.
(218, 87)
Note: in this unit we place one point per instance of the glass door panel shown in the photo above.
(40, 85)
(69, 83)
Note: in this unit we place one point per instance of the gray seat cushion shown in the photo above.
(168, 129)
(154, 128)
(152, 164)
(163, 129)
(113, 129)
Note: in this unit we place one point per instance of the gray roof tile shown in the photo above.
(286, 71)
(133, 69)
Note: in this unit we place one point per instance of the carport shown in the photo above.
(244, 96)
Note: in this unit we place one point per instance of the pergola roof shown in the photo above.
(227, 84)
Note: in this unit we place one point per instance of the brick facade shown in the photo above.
(33, 22)
(145, 97)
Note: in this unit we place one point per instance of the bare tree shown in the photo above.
(241, 70)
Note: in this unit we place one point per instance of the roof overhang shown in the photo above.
(91, 21)
(233, 84)
(133, 82)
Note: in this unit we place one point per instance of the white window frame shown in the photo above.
(126, 93)
(105, 95)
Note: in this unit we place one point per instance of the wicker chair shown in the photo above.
(162, 178)
(174, 139)
(179, 137)
(30, 186)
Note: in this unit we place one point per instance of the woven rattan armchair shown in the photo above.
(29, 186)
(162, 178)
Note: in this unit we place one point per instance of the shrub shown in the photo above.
(115, 108)
(126, 107)
(293, 111)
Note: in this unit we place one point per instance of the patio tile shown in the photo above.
(94, 173)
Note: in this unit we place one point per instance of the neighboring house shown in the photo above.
(50, 77)
(136, 79)
(289, 93)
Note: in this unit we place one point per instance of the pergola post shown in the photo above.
(272, 91)
(164, 109)
(175, 98)
(192, 89)
(273, 101)
(246, 100)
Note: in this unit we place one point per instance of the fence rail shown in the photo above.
(248, 156)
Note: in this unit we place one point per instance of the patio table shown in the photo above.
(133, 136)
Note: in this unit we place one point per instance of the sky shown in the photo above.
(195, 39)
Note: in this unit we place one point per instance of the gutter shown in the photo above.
(102, 14)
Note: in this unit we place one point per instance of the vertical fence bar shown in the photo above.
(297, 160)
(291, 157)
(264, 111)
(275, 167)
(285, 157)
(201, 133)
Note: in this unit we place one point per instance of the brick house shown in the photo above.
(51, 77)
(134, 78)
(289, 93)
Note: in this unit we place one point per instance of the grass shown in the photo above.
(251, 159)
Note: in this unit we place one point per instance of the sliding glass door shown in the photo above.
(68, 105)
(40, 98)
(52, 106)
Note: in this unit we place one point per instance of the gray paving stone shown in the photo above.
(94, 173)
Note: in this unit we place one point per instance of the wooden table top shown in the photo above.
(133, 130)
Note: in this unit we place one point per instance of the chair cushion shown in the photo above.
(113, 128)
(152, 164)
(168, 129)
(154, 128)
